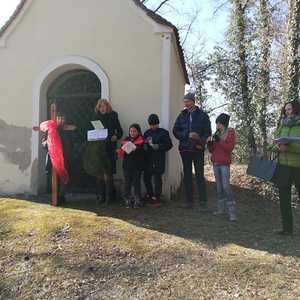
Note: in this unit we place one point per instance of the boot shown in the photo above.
(137, 202)
(220, 207)
(231, 211)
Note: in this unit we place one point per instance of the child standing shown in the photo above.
(158, 143)
(132, 151)
(221, 145)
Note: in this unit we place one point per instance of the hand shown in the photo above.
(282, 147)
(155, 147)
(114, 138)
(209, 139)
(194, 136)
(209, 157)
(199, 147)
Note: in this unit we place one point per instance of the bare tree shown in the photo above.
(293, 50)
(263, 90)
(240, 21)
(159, 6)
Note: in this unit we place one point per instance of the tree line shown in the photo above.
(255, 68)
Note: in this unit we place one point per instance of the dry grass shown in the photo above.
(89, 252)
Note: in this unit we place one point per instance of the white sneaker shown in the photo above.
(232, 218)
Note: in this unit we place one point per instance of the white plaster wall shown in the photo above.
(110, 32)
(177, 93)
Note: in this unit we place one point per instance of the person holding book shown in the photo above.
(133, 154)
(288, 149)
(221, 145)
(110, 121)
(158, 142)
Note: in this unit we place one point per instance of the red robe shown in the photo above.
(55, 149)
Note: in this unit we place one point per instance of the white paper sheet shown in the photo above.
(129, 147)
(97, 135)
(286, 139)
(97, 124)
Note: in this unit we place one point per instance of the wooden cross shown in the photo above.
(54, 179)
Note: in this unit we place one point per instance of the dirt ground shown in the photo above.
(86, 251)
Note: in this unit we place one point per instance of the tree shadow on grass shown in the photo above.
(257, 219)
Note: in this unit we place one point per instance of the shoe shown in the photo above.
(147, 198)
(128, 202)
(218, 213)
(137, 203)
(284, 233)
(232, 218)
(155, 202)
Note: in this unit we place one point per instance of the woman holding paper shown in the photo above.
(288, 149)
(105, 118)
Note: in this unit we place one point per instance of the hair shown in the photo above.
(295, 106)
(137, 127)
(103, 101)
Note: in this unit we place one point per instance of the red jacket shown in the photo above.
(221, 150)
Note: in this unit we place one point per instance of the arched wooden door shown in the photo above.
(75, 94)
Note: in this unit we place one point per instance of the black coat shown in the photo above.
(156, 159)
(186, 122)
(111, 122)
(136, 159)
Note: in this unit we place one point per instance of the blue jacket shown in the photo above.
(186, 122)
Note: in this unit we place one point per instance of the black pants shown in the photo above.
(197, 159)
(157, 184)
(133, 180)
(293, 175)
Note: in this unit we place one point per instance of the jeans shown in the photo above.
(197, 159)
(157, 184)
(224, 192)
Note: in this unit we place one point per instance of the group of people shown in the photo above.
(146, 158)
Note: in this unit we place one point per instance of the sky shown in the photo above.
(208, 30)
(7, 7)
(209, 27)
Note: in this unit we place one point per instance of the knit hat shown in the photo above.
(137, 127)
(223, 119)
(189, 96)
(153, 119)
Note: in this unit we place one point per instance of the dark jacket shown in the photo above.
(156, 159)
(186, 122)
(112, 123)
(136, 159)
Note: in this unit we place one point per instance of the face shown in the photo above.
(154, 127)
(60, 121)
(103, 108)
(133, 132)
(220, 127)
(188, 103)
(289, 110)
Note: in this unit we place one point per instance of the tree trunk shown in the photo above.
(264, 69)
(293, 50)
(239, 14)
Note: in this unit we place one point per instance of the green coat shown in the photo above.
(291, 157)
(95, 160)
